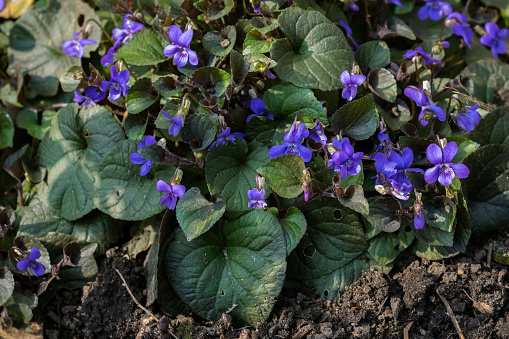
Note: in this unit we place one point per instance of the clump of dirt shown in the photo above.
(419, 298)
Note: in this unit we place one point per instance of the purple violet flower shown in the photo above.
(118, 83)
(292, 144)
(90, 96)
(434, 9)
(130, 28)
(353, 6)
(256, 197)
(427, 106)
(394, 2)
(344, 160)
(349, 32)
(225, 136)
(403, 163)
(258, 107)
(385, 184)
(139, 160)
(318, 134)
(495, 38)
(174, 192)
(31, 263)
(444, 171)
(76, 46)
(460, 27)
(109, 57)
(468, 118)
(351, 82)
(180, 50)
(176, 124)
(425, 58)
(385, 142)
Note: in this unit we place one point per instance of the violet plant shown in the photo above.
(254, 139)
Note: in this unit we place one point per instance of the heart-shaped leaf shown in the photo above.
(220, 43)
(237, 267)
(145, 48)
(283, 174)
(359, 118)
(315, 52)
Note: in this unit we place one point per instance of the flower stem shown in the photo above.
(102, 29)
(129, 69)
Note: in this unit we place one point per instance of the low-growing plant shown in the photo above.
(246, 144)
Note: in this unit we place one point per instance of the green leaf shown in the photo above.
(287, 101)
(294, 226)
(141, 96)
(231, 172)
(35, 46)
(383, 248)
(212, 80)
(269, 132)
(254, 58)
(255, 42)
(435, 236)
(199, 130)
(381, 214)
(465, 147)
(396, 115)
(440, 213)
(175, 6)
(486, 78)
(315, 52)
(373, 54)
(107, 5)
(240, 67)
(170, 303)
(6, 285)
(145, 48)
(493, 128)
(283, 174)
(72, 152)
(327, 257)
(68, 81)
(40, 219)
(460, 240)
(427, 29)
(151, 263)
(7, 128)
(196, 215)
(487, 187)
(353, 197)
(238, 266)
(121, 192)
(55, 243)
(359, 118)
(394, 27)
(264, 26)
(220, 43)
(28, 120)
(382, 83)
(217, 10)
(135, 126)
(418, 147)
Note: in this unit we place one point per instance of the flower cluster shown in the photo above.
(121, 37)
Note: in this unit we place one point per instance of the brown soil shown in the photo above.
(411, 302)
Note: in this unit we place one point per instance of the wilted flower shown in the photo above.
(460, 27)
(418, 217)
(256, 198)
(258, 107)
(444, 170)
(351, 82)
(292, 144)
(180, 51)
(31, 263)
(118, 83)
(495, 38)
(424, 57)
(318, 134)
(130, 28)
(344, 160)
(174, 192)
(225, 136)
(90, 96)
(468, 117)
(434, 9)
(427, 106)
(139, 160)
(76, 46)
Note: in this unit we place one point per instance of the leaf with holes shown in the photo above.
(237, 267)
(121, 192)
(220, 43)
(72, 152)
(314, 52)
(231, 172)
(196, 215)
(329, 255)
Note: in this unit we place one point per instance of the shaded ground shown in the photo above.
(410, 300)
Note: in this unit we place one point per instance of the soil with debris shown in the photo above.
(461, 297)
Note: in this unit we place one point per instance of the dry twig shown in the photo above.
(451, 315)
(406, 330)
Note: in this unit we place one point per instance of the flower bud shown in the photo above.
(177, 177)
